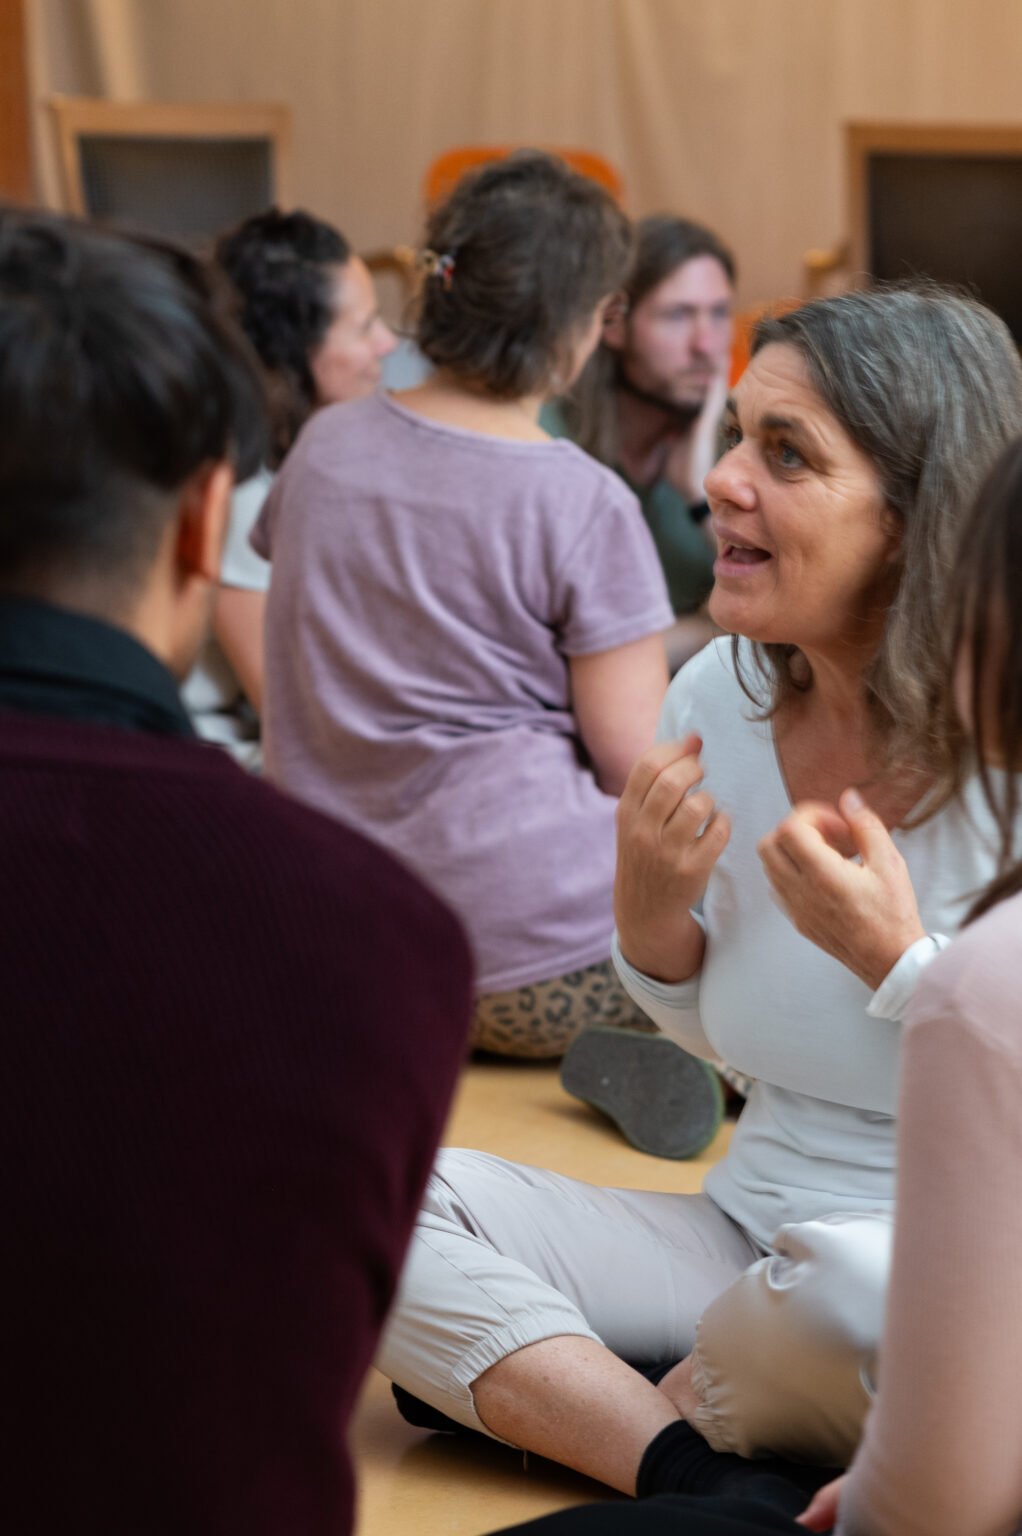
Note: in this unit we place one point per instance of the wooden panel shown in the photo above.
(81, 116)
(15, 151)
(866, 139)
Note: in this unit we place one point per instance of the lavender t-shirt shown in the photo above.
(428, 586)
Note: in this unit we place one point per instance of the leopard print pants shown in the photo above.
(543, 1020)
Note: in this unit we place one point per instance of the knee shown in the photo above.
(786, 1358)
(826, 1284)
(460, 1184)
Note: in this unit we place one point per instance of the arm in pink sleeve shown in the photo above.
(942, 1452)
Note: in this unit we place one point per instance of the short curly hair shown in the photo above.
(278, 265)
(535, 246)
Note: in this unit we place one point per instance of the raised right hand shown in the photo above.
(664, 861)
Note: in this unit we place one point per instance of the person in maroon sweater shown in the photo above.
(230, 1027)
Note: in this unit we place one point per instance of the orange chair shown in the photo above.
(447, 169)
(745, 324)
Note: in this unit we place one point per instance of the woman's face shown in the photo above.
(805, 541)
(346, 363)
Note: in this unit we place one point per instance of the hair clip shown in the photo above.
(441, 266)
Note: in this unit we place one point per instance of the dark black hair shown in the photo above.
(121, 374)
(278, 264)
(986, 627)
(533, 246)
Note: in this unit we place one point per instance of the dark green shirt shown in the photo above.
(684, 552)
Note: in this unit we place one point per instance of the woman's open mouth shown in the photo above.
(739, 559)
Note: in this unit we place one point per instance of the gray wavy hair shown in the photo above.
(928, 383)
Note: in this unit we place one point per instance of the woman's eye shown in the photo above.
(789, 457)
(732, 436)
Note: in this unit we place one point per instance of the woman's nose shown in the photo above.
(730, 480)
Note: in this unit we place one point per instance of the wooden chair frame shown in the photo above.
(863, 139)
(76, 117)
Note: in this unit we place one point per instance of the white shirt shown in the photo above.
(211, 692)
(817, 1135)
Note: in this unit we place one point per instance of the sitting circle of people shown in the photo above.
(465, 661)
(857, 439)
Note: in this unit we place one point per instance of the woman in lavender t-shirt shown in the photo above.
(464, 646)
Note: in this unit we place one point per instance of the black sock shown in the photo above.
(679, 1460)
(423, 1416)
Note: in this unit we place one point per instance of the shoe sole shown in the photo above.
(663, 1101)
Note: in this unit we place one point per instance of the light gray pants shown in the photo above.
(505, 1255)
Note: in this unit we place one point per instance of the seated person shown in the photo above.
(940, 1454)
(215, 1113)
(307, 304)
(464, 642)
(858, 438)
(650, 402)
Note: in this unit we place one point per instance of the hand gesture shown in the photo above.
(670, 835)
(821, 1514)
(864, 914)
(696, 450)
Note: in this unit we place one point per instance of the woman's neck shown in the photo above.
(836, 695)
(827, 740)
(455, 402)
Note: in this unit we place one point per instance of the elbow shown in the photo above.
(610, 768)
(611, 779)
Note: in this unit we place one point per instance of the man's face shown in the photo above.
(346, 364)
(678, 337)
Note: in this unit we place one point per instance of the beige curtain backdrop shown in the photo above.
(729, 110)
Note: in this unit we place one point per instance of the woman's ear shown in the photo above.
(615, 327)
(893, 526)
(202, 521)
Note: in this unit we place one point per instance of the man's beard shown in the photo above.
(682, 412)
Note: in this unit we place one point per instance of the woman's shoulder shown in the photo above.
(707, 690)
(586, 468)
(345, 417)
(978, 980)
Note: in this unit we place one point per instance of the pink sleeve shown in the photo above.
(942, 1452)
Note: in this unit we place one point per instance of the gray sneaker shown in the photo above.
(662, 1100)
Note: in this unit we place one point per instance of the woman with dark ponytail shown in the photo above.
(307, 304)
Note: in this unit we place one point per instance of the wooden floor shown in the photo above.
(442, 1485)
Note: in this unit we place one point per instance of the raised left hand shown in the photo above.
(864, 914)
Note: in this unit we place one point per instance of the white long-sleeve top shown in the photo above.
(817, 1135)
(942, 1452)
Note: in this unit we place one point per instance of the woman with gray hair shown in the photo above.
(856, 440)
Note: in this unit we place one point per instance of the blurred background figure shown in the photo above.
(308, 306)
(650, 403)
